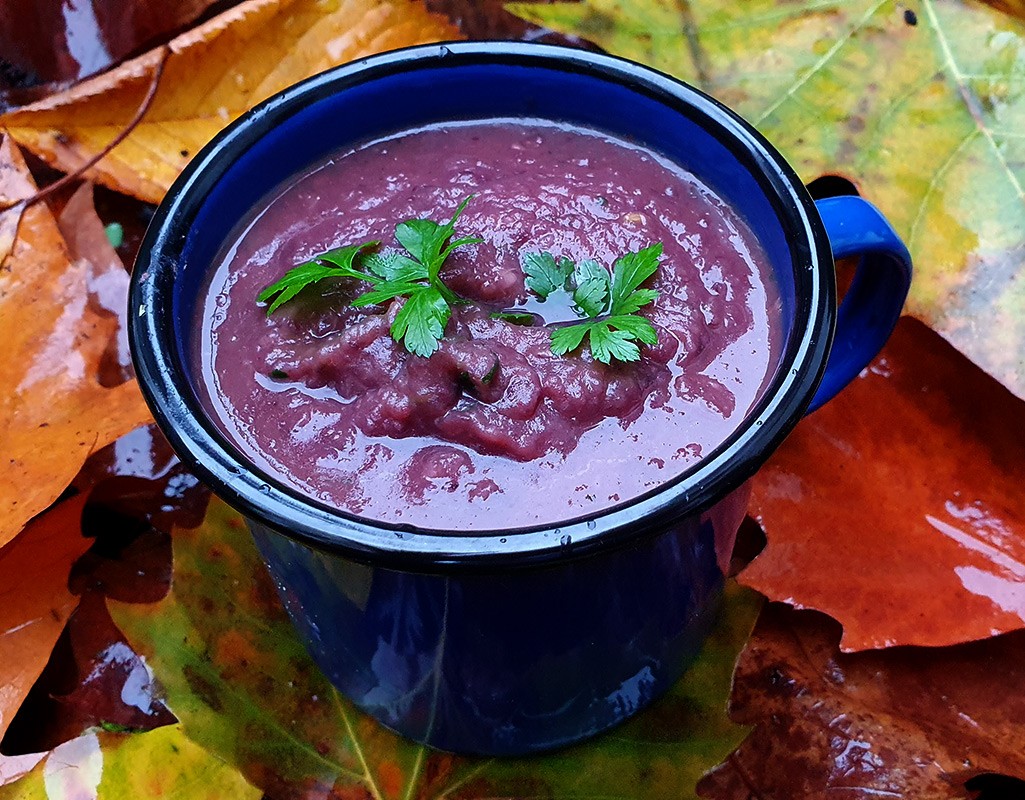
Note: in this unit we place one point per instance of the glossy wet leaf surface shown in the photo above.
(212, 74)
(897, 508)
(112, 766)
(244, 688)
(906, 722)
(54, 411)
(51, 40)
(34, 599)
(924, 111)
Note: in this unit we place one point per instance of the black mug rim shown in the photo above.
(266, 499)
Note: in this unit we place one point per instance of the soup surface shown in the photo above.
(493, 431)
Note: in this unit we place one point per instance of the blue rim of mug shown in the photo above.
(265, 498)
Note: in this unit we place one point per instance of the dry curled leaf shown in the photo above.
(897, 508)
(34, 599)
(920, 103)
(211, 75)
(53, 412)
(907, 722)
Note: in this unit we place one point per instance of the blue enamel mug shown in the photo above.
(511, 641)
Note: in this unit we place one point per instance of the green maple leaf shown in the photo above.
(243, 687)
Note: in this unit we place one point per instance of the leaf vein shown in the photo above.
(818, 65)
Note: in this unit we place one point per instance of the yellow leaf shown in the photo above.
(922, 105)
(212, 74)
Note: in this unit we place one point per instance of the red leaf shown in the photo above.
(897, 508)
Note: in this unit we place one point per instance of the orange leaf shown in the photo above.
(212, 74)
(898, 508)
(53, 411)
(34, 599)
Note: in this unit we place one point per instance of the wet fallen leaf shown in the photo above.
(51, 40)
(93, 680)
(110, 766)
(925, 110)
(906, 722)
(897, 508)
(107, 280)
(16, 186)
(34, 599)
(212, 74)
(53, 412)
(244, 688)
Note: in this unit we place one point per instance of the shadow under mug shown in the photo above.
(511, 641)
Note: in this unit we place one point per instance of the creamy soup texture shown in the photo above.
(493, 431)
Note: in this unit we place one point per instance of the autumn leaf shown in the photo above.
(906, 722)
(924, 111)
(86, 239)
(897, 508)
(49, 42)
(93, 680)
(221, 638)
(53, 412)
(110, 766)
(212, 74)
(34, 599)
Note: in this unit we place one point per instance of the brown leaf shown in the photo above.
(52, 40)
(213, 74)
(34, 599)
(897, 508)
(53, 412)
(907, 722)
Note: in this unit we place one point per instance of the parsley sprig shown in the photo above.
(420, 323)
(609, 300)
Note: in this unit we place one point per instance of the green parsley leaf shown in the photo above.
(636, 326)
(420, 323)
(385, 291)
(607, 344)
(545, 274)
(335, 263)
(630, 271)
(565, 340)
(610, 301)
(395, 267)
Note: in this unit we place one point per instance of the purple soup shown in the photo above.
(493, 431)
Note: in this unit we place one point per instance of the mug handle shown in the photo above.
(872, 306)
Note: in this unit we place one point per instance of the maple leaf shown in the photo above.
(110, 766)
(908, 722)
(34, 599)
(220, 637)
